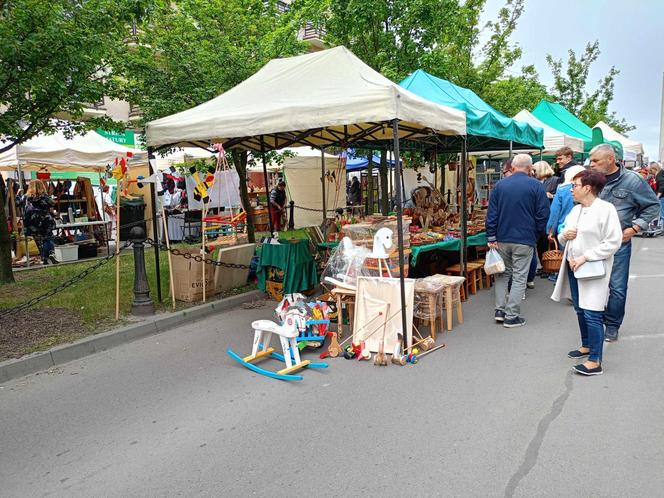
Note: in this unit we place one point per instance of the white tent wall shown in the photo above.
(303, 180)
(553, 139)
(627, 143)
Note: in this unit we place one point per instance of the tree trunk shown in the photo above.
(6, 275)
(384, 195)
(240, 160)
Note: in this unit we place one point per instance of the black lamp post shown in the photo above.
(142, 304)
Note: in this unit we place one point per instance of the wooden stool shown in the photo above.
(474, 275)
(347, 297)
(451, 296)
(486, 281)
(429, 307)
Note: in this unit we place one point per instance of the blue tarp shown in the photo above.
(361, 162)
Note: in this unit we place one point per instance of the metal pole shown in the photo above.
(21, 186)
(541, 152)
(323, 184)
(267, 192)
(155, 226)
(511, 152)
(464, 208)
(397, 166)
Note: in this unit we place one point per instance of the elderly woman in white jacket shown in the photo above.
(591, 232)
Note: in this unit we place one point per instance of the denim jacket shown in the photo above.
(633, 198)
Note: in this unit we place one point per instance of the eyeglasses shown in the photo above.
(577, 185)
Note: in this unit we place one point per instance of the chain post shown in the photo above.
(142, 304)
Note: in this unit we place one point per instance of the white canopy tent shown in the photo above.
(323, 98)
(628, 144)
(181, 155)
(553, 139)
(88, 152)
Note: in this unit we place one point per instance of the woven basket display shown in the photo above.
(553, 258)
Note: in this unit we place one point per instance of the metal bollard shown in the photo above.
(291, 220)
(142, 304)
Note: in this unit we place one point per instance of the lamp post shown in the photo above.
(142, 304)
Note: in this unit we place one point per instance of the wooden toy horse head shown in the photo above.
(382, 243)
(295, 318)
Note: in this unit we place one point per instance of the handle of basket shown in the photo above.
(555, 243)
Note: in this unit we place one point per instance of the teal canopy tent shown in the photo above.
(556, 116)
(487, 128)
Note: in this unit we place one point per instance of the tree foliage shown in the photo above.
(55, 57)
(515, 93)
(570, 88)
(190, 51)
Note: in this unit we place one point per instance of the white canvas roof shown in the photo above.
(88, 152)
(553, 139)
(320, 99)
(627, 143)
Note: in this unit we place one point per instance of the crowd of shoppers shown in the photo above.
(593, 212)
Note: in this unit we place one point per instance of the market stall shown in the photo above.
(329, 98)
(632, 150)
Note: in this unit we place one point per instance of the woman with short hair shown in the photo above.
(591, 232)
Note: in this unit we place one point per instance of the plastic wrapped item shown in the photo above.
(493, 263)
(447, 281)
(345, 264)
(427, 293)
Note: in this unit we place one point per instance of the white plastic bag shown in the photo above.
(493, 263)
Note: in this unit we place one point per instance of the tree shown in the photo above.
(194, 50)
(514, 93)
(570, 88)
(55, 57)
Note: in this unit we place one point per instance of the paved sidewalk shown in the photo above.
(495, 413)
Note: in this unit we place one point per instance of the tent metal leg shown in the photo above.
(267, 192)
(155, 227)
(398, 180)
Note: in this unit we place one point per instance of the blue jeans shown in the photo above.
(661, 210)
(615, 309)
(591, 323)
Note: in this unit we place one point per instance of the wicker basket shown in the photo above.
(552, 259)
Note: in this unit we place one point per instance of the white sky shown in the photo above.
(631, 37)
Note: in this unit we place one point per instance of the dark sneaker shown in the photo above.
(530, 285)
(511, 323)
(499, 316)
(576, 354)
(611, 335)
(581, 369)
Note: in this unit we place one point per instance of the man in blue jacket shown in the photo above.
(637, 206)
(517, 216)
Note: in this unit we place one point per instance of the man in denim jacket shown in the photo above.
(637, 206)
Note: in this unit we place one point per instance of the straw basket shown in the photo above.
(552, 259)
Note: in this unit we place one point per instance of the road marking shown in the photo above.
(659, 275)
(634, 337)
(644, 248)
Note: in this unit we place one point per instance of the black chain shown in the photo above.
(196, 257)
(330, 210)
(61, 287)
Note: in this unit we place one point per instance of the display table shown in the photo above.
(178, 230)
(296, 262)
(447, 245)
(444, 245)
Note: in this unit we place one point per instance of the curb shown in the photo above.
(37, 362)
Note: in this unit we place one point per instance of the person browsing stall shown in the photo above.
(278, 205)
(637, 206)
(564, 161)
(517, 215)
(591, 233)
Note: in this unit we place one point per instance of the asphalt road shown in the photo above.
(495, 413)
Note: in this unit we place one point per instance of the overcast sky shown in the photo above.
(631, 37)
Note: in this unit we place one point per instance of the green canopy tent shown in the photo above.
(556, 116)
(487, 129)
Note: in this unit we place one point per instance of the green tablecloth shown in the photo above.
(447, 245)
(296, 262)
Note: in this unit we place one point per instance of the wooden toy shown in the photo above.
(432, 350)
(288, 334)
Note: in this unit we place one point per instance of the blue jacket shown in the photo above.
(562, 204)
(633, 198)
(518, 210)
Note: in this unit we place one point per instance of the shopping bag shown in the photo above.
(493, 263)
(591, 270)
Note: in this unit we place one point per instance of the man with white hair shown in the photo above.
(517, 216)
(637, 206)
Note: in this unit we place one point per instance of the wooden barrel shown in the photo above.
(261, 218)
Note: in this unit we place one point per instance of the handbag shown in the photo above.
(590, 270)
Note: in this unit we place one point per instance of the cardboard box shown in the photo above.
(188, 278)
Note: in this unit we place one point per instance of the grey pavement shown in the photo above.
(495, 413)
